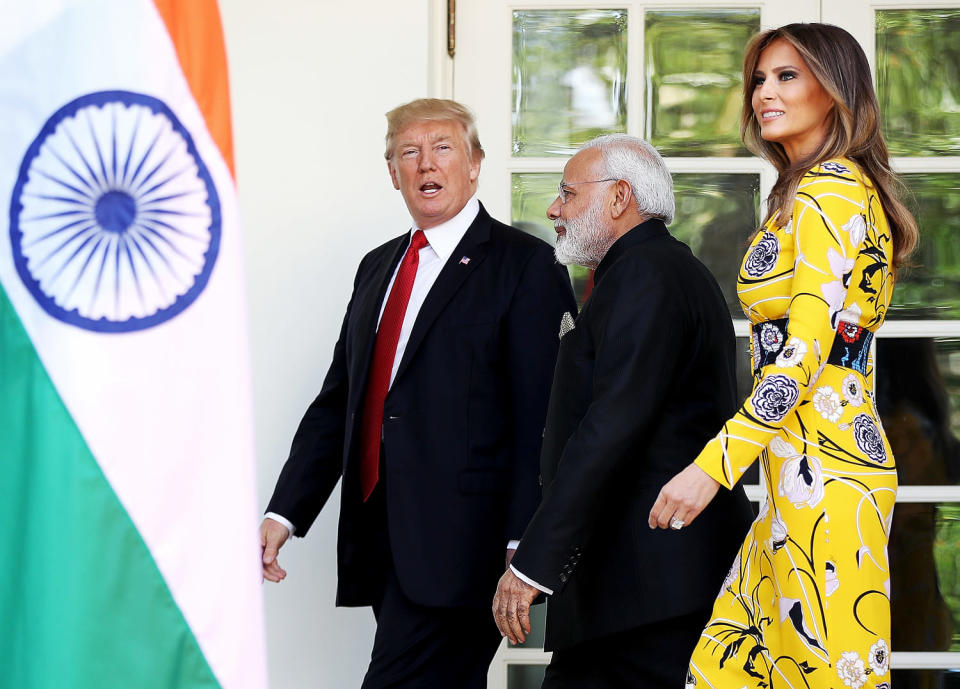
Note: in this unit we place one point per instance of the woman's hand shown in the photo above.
(683, 498)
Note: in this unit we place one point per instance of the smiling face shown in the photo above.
(432, 166)
(790, 105)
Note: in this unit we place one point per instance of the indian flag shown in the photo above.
(127, 503)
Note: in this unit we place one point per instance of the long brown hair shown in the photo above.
(839, 64)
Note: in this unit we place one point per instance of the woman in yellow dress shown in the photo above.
(806, 602)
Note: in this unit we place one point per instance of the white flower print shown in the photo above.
(852, 390)
(880, 657)
(792, 354)
(770, 337)
(828, 403)
(801, 481)
(781, 448)
(823, 363)
(857, 227)
(851, 670)
(731, 576)
(764, 508)
(832, 583)
(778, 533)
(835, 292)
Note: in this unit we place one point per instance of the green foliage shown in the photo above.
(694, 80)
(569, 78)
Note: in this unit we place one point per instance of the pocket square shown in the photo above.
(566, 324)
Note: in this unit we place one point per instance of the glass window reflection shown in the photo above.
(918, 80)
(693, 79)
(918, 397)
(925, 576)
(569, 78)
(531, 195)
(930, 288)
(716, 216)
(525, 676)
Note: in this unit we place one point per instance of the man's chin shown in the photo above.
(571, 259)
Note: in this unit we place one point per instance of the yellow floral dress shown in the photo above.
(806, 602)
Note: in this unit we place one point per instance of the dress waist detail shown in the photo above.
(850, 349)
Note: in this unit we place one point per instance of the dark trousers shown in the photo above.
(418, 647)
(654, 656)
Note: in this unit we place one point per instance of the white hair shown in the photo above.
(633, 160)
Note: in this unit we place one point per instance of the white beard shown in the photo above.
(585, 240)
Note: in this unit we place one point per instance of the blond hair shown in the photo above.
(840, 66)
(436, 110)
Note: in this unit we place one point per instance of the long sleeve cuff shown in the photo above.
(283, 520)
(530, 581)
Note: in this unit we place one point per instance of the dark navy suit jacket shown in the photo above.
(463, 420)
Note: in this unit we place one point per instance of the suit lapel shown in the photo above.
(451, 277)
(368, 310)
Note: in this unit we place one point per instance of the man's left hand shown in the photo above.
(511, 607)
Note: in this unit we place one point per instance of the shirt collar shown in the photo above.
(443, 238)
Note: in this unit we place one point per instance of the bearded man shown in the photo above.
(643, 379)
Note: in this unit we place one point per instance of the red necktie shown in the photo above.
(384, 352)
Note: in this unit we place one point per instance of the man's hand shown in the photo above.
(511, 607)
(510, 552)
(683, 498)
(273, 535)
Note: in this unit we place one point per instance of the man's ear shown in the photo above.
(393, 174)
(622, 199)
(475, 167)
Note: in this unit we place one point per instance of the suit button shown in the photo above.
(563, 578)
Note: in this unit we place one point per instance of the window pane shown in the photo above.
(925, 577)
(931, 288)
(918, 397)
(716, 214)
(918, 80)
(525, 676)
(694, 76)
(538, 618)
(569, 78)
(532, 194)
(925, 679)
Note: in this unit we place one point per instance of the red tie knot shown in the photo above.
(419, 240)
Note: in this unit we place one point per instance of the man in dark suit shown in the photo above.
(644, 377)
(432, 413)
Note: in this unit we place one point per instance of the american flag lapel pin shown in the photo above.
(465, 260)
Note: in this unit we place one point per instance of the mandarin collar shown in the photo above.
(654, 227)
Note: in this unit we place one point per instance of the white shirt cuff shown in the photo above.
(512, 545)
(527, 580)
(283, 520)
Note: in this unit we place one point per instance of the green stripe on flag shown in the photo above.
(82, 603)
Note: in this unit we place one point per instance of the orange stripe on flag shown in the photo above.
(194, 26)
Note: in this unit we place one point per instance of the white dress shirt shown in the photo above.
(441, 241)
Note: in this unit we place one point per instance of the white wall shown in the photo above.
(311, 81)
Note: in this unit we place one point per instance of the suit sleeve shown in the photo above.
(635, 356)
(825, 211)
(533, 337)
(315, 462)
